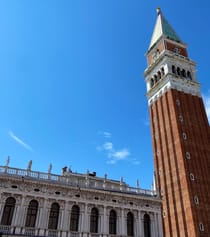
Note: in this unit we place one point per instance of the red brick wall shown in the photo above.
(162, 45)
(172, 169)
(170, 46)
(159, 47)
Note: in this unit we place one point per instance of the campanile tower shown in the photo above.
(180, 134)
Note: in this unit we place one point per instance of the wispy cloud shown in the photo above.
(114, 155)
(207, 104)
(20, 141)
(105, 134)
(136, 162)
(108, 146)
(121, 154)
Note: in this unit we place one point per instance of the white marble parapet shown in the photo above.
(76, 180)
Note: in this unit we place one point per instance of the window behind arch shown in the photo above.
(173, 69)
(152, 82)
(130, 224)
(147, 231)
(8, 211)
(189, 75)
(31, 213)
(74, 221)
(183, 73)
(112, 222)
(159, 75)
(155, 78)
(178, 71)
(162, 71)
(94, 220)
(53, 217)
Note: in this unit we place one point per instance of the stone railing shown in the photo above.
(5, 229)
(25, 231)
(76, 180)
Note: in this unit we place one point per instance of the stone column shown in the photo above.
(123, 223)
(15, 217)
(156, 224)
(153, 234)
(105, 228)
(82, 216)
(46, 213)
(15, 214)
(139, 225)
(118, 230)
(61, 217)
(1, 207)
(40, 218)
(65, 225)
(62, 221)
(142, 223)
(100, 221)
(19, 218)
(1, 210)
(44, 217)
(22, 213)
(85, 221)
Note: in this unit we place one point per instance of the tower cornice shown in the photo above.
(168, 55)
(170, 82)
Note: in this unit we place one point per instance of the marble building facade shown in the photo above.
(78, 205)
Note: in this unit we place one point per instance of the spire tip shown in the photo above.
(158, 10)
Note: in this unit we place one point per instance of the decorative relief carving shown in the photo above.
(28, 199)
(62, 204)
(18, 199)
(4, 196)
(40, 201)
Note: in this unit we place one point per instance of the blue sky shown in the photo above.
(72, 89)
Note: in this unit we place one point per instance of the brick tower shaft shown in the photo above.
(180, 135)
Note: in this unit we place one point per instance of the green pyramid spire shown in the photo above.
(163, 28)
